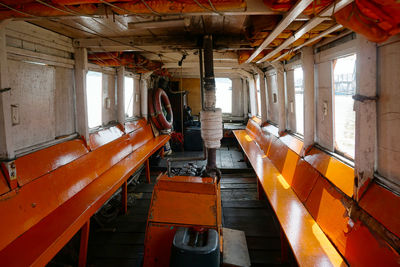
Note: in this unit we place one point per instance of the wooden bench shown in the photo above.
(311, 197)
(61, 187)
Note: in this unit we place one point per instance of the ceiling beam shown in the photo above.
(283, 24)
(310, 41)
(217, 65)
(324, 15)
(253, 7)
(164, 42)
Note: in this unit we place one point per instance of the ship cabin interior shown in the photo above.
(196, 133)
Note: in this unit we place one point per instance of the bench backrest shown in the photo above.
(48, 178)
(325, 186)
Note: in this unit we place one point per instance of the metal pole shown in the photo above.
(209, 103)
(201, 77)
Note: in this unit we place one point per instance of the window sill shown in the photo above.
(347, 161)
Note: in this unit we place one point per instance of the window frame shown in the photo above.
(129, 76)
(335, 147)
(100, 126)
(225, 113)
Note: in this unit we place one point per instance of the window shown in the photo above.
(224, 94)
(94, 90)
(257, 80)
(128, 95)
(344, 120)
(299, 99)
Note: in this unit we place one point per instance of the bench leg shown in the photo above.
(162, 152)
(245, 158)
(124, 197)
(84, 244)
(260, 190)
(284, 248)
(148, 171)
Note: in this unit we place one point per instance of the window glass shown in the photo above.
(224, 94)
(94, 98)
(258, 95)
(299, 99)
(345, 117)
(128, 95)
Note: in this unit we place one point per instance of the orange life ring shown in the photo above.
(152, 111)
(160, 98)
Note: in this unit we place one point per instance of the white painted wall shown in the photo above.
(64, 101)
(252, 97)
(44, 95)
(109, 113)
(237, 97)
(272, 88)
(388, 110)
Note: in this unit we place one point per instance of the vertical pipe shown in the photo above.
(209, 81)
(201, 77)
(209, 97)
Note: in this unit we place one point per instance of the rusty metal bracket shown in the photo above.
(2, 90)
(363, 98)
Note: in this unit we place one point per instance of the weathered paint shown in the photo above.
(388, 111)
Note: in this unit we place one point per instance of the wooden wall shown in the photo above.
(192, 86)
(388, 110)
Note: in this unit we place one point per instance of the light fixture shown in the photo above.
(160, 24)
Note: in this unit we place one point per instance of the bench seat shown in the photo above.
(36, 239)
(308, 242)
(321, 188)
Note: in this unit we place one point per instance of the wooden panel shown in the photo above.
(192, 85)
(383, 205)
(105, 136)
(134, 125)
(284, 159)
(187, 184)
(359, 246)
(36, 164)
(336, 171)
(303, 180)
(141, 136)
(293, 143)
(173, 207)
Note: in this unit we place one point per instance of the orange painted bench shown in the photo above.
(61, 187)
(311, 196)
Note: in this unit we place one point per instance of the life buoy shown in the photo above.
(161, 100)
(152, 112)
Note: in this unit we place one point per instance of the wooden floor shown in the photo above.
(229, 157)
(121, 242)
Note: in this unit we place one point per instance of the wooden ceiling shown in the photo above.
(111, 33)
